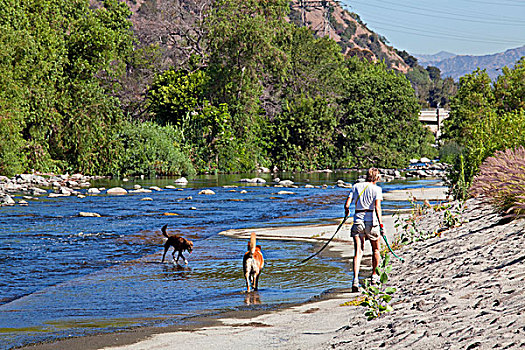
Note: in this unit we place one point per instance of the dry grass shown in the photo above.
(502, 181)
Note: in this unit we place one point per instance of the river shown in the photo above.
(63, 275)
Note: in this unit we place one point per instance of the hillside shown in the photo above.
(459, 65)
(152, 19)
(347, 29)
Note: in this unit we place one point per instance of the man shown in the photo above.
(367, 197)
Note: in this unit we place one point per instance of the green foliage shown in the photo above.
(243, 39)
(485, 119)
(153, 150)
(378, 297)
(175, 93)
(474, 100)
(408, 226)
(213, 143)
(61, 61)
(449, 151)
(380, 125)
(315, 66)
(501, 181)
(302, 136)
(11, 143)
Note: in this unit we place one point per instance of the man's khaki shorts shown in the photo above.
(365, 229)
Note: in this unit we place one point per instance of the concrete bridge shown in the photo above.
(433, 119)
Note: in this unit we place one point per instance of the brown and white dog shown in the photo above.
(178, 243)
(252, 264)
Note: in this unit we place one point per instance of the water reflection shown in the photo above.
(175, 271)
(252, 298)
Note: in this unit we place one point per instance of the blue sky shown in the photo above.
(465, 27)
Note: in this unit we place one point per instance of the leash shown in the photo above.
(338, 228)
(386, 241)
(320, 250)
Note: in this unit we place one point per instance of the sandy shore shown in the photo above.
(463, 290)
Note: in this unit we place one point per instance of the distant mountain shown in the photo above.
(440, 56)
(459, 65)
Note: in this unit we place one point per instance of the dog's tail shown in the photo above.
(163, 229)
(252, 244)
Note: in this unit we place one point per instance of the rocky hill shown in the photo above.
(459, 65)
(151, 19)
(347, 29)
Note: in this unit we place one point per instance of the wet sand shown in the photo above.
(461, 290)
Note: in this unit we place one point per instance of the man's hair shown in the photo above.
(372, 175)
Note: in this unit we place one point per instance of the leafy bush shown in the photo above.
(11, 145)
(377, 298)
(449, 151)
(302, 136)
(174, 93)
(502, 181)
(484, 119)
(153, 149)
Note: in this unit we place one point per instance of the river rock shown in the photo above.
(285, 192)
(38, 191)
(141, 190)
(181, 181)
(6, 199)
(89, 214)
(206, 192)
(286, 183)
(116, 191)
(93, 191)
(254, 180)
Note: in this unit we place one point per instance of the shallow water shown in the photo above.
(63, 275)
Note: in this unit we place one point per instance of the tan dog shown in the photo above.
(252, 264)
(178, 243)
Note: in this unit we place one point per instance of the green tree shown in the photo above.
(474, 100)
(485, 118)
(380, 125)
(245, 53)
(302, 135)
(175, 93)
(63, 61)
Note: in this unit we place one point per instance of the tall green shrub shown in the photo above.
(151, 149)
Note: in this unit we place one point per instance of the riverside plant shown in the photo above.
(452, 214)
(501, 181)
(409, 226)
(377, 297)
